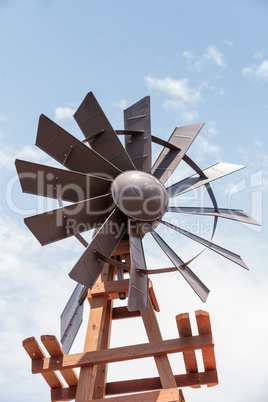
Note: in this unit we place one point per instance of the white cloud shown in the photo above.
(3, 117)
(64, 113)
(228, 42)
(258, 55)
(212, 128)
(259, 72)
(190, 116)
(175, 88)
(121, 104)
(204, 149)
(213, 54)
(8, 154)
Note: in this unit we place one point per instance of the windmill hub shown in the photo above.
(140, 195)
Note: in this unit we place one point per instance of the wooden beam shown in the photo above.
(153, 297)
(154, 383)
(122, 248)
(154, 335)
(164, 395)
(141, 385)
(122, 312)
(95, 329)
(157, 348)
(101, 374)
(184, 329)
(35, 352)
(204, 327)
(54, 349)
(110, 289)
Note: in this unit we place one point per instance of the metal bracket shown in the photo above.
(111, 261)
(93, 136)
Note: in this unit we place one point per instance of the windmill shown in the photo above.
(114, 190)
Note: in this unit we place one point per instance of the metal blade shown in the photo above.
(214, 247)
(60, 223)
(138, 296)
(137, 117)
(212, 173)
(234, 214)
(57, 183)
(100, 134)
(197, 285)
(72, 317)
(168, 160)
(71, 152)
(88, 268)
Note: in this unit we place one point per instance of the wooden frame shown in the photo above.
(93, 361)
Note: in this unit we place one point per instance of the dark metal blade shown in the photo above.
(57, 183)
(100, 134)
(197, 285)
(138, 296)
(88, 268)
(234, 214)
(182, 138)
(214, 247)
(60, 223)
(72, 317)
(71, 152)
(212, 173)
(137, 117)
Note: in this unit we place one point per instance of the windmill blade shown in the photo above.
(213, 172)
(139, 283)
(234, 214)
(88, 268)
(60, 223)
(100, 134)
(168, 160)
(72, 317)
(57, 183)
(197, 285)
(214, 247)
(71, 152)
(137, 118)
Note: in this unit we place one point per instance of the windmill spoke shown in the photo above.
(212, 173)
(100, 134)
(60, 223)
(138, 146)
(234, 214)
(139, 283)
(88, 268)
(181, 138)
(58, 183)
(71, 152)
(197, 285)
(214, 247)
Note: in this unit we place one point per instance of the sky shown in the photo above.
(200, 61)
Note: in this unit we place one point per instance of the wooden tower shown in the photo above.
(92, 385)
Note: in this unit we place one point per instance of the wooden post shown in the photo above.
(93, 341)
(153, 332)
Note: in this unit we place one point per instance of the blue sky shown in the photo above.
(199, 61)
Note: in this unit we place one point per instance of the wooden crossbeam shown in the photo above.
(36, 353)
(165, 395)
(154, 335)
(54, 349)
(141, 385)
(204, 327)
(122, 312)
(43, 365)
(185, 330)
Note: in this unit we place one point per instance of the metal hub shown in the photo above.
(140, 195)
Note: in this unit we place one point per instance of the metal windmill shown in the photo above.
(114, 189)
